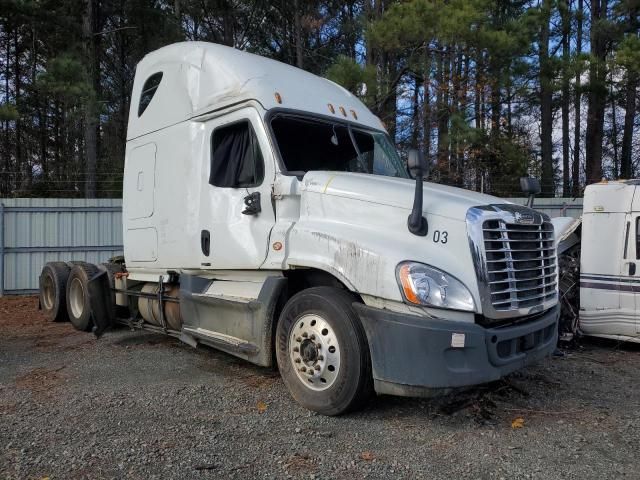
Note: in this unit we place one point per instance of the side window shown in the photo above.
(236, 159)
(148, 91)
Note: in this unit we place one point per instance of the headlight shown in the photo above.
(424, 285)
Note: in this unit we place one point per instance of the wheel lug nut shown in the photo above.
(296, 349)
(317, 367)
(298, 339)
(297, 360)
(310, 372)
(305, 335)
(312, 337)
(320, 358)
(303, 369)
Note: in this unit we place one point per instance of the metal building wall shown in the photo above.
(554, 207)
(34, 231)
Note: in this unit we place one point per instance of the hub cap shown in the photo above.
(76, 300)
(314, 352)
(48, 292)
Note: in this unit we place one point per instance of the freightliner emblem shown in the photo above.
(524, 218)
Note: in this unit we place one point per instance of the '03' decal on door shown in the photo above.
(440, 236)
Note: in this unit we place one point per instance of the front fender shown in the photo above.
(361, 244)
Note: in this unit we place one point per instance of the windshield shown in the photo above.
(308, 144)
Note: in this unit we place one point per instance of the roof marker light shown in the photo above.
(331, 109)
(278, 97)
(354, 115)
(343, 111)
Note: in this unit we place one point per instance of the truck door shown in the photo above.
(236, 211)
(604, 257)
(630, 275)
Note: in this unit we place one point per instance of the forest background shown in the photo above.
(490, 90)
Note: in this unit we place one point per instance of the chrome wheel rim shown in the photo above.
(314, 352)
(48, 292)
(76, 297)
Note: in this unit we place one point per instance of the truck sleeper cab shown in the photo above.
(608, 273)
(265, 214)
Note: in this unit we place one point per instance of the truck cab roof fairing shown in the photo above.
(199, 77)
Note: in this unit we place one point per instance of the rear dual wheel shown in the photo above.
(322, 351)
(78, 306)
(53, 291)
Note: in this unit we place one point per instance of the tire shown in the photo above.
(78, 305)
(53, 291)
(322, 325)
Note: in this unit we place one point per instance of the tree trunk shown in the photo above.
(614, 136)
(177, 13)
(629, 118)
(415, 113)
(630, 107)
(228, 24)
(575, 168)
(19, 151)
(298, 32)
(426, 104)
(566, 59)
(496, 96)
(90, 115)
(444, 72)
(477, 98)
(597, 93)
(6, 154)
(546, 107)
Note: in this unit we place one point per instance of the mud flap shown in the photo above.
(102, 311)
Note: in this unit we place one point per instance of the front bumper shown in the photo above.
(416, 356)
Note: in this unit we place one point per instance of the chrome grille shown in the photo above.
(521, 264)
(515, 260)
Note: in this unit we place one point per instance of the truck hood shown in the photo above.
(439, 199)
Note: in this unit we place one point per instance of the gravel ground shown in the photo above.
(140, 405)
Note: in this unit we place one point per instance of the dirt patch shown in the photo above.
(41, 381)
(300, 463)
(260, 381)
(20, 317)
(7, 408)
(20, 312)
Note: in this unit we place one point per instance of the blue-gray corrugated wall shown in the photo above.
(34, 231)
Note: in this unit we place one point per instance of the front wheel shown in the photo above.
(322, 351)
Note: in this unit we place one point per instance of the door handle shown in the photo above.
(252, 204)
(205, 242)
(632, 268)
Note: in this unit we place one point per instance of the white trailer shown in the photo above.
(600, 260)
(268, 214)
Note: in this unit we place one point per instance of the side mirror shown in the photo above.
(416, 223)
(530, 186)
(415, 162)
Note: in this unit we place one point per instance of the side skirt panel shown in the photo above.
(215, 315)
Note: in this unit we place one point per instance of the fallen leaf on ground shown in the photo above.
(517, 422)
(368, 456)
(262, 407)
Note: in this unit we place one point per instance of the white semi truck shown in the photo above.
(600, 263)
(267, 213)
